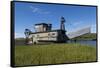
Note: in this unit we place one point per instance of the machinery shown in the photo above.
(44, 33)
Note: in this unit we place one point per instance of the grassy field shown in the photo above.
(53, 54)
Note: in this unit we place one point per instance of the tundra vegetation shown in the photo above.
(54, 54)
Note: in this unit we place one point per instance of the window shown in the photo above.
(53, 33)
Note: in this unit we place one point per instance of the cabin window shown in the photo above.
(53, 33)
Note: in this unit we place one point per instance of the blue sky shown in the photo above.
(77, 17)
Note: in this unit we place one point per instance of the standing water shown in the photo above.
(87, 42)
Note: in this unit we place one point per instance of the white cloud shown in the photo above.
(19, 35)
(93, 28)
(34, 9)
(77, 23)
(38, 10)
(77, 26)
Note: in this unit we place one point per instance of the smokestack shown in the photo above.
(49, 27)
(62, 26)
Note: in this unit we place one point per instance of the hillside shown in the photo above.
(90, 36)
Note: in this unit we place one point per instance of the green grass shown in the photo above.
(53, 54)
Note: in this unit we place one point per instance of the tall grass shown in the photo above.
(53, 54)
